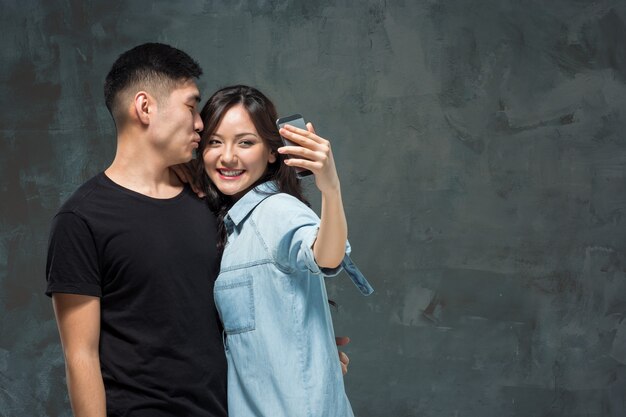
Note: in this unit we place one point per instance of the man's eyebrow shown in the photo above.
(195, 97)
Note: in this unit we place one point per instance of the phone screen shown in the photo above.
(295, 120)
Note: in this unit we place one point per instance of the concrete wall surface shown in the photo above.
(482, 151)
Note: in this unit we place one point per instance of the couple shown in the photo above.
(146, 327)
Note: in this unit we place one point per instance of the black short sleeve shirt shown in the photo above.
(153, 263)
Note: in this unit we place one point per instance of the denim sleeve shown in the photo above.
(296, 227)
(305, 257)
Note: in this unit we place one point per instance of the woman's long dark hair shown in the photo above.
(263, 114)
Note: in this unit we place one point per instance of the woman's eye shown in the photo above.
(248, 142)
(213, 142)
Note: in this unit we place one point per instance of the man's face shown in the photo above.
(175, 123)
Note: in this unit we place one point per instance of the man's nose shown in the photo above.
(198, 125)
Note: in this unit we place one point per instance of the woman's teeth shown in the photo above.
(230, 173)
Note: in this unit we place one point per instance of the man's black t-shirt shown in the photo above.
(153, 263)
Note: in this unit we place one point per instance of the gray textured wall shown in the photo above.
(482, 153)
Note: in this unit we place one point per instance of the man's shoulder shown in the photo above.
(82, 195)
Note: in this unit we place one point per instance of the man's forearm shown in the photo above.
(85, 386)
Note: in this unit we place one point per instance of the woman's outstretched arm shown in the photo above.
(315, 154)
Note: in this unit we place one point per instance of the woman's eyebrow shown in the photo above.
(238, 135)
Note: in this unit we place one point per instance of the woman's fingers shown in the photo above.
(301, 151)
(312, 154)
(308, 143)
(313, 160)
(314, 166)
(301, 136)
(185, 174)
(182, 172)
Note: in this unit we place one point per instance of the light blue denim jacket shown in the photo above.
(271, 297)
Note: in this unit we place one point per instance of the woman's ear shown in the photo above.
(272, 158)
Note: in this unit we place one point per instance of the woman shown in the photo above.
(270, 293)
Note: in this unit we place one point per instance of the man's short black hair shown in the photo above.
(148, 65)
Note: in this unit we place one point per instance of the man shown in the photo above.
(132, 257)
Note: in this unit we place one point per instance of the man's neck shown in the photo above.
(143, 173)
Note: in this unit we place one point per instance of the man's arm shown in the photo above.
(78, 319)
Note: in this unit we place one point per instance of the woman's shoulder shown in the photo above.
(284, 206)
(283, 201)
(283, 198)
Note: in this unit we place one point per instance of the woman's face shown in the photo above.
(236, 156)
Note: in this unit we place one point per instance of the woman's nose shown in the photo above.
(228, 155)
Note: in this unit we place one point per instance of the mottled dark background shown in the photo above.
(482, 151)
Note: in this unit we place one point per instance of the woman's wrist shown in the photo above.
(333, 191)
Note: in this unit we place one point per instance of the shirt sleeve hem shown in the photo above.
(74, 288)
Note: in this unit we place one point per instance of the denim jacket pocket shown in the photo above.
(235, 303)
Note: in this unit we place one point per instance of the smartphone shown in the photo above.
(298, 121)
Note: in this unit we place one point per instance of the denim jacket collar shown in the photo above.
(248, 202)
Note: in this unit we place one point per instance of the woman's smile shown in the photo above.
(230, 174)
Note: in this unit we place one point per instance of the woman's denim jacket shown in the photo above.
(271, 297)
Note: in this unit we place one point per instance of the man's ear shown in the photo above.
(144, 103)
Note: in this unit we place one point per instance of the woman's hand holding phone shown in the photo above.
(313, 153)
